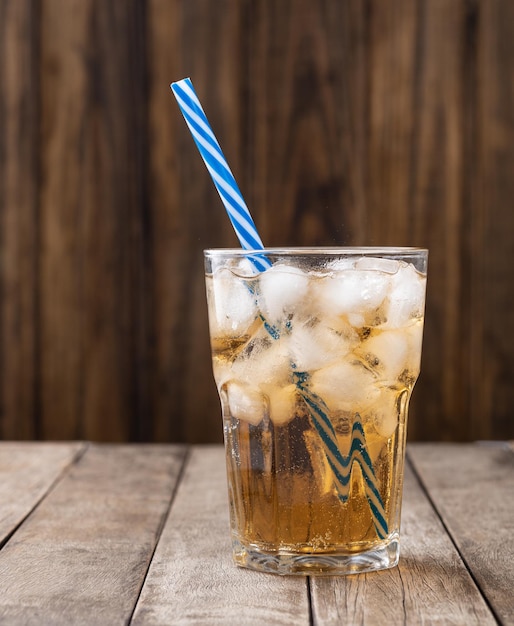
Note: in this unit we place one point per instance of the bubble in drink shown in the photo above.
(315, 360)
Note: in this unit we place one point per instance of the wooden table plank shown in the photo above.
(86, 520)
(472, 488)
(430, 585)
(82, 556)
(27, 471)
(192, 579)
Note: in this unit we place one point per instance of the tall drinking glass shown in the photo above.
(315, 360)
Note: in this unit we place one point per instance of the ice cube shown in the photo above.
(406, 299)
(263, 361)
(221, 369)
(344, 263)
(351, 292)
(388, 266)
(342, 326)
(385, 413)
(233, 304)
(385, 353)
(323, 473)
(243, 267)
(314, 345)
(245, 402)
(282, 403)
(282, 289)
(414, 336)
(345, 386)
(357, 320)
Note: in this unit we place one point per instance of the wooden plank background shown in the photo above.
(367, 123)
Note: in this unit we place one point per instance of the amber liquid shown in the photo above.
(282, 492)
(314, 411)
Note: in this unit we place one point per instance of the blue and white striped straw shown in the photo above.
(246, 232)
(219, 170)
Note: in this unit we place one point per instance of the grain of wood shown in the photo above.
(81, 557)
(192, 579)
(491, 309)
(19, 223)
(187, 214)
(211, 34)
(93, 272)
(294, 154)
(167, 230)
(394, 65)
(479, 518)
(437, 177)
(114, 289)
(431, 585)
(64, 37)
(27, 472)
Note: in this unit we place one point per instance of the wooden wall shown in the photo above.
(345, 121)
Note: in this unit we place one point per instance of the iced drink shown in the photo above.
(315, 359)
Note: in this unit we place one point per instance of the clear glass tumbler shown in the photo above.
(315, 359)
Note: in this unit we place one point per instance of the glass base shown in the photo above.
(383, 556)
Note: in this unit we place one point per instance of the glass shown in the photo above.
(315, 360)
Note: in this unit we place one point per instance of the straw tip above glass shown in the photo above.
(218, 167)
(176, 83)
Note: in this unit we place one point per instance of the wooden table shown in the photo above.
(138, 534)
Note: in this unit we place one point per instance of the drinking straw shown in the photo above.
(246, 232)
(219, 169)
(340, 464)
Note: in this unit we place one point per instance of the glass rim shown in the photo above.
(318, 250)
